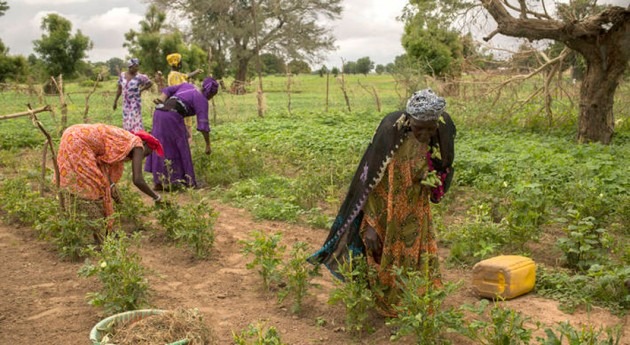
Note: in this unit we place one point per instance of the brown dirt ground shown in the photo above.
(42, 300)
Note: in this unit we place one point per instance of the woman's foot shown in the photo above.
(158, 187)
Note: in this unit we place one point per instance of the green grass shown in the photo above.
(524, 175)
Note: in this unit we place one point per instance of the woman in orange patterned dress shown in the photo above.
(90, 163)
(386, 216)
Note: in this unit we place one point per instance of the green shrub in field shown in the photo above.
(586, 335)
(231, 160)
(504, 327)
(124, 286)
(476, 239)
(132, 209)
(297, 273)
(354, 293)
(257, 335)
(72, 231)
(24, 205)
(600, 285)
(585, 243)
(192, 224)
(267, 253)
(420, 311)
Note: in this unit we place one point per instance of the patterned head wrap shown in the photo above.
(152, 142)
(425, 105)
(174, 59)
(210, 87)
(133, 62)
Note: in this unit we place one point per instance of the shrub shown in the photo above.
(124, 286)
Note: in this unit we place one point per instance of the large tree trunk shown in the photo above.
(604, 41)
(596, 121)
(238, 86)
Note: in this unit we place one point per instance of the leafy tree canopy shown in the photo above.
(238, 29)
(152, 44)
(3, 8)
(59, 49)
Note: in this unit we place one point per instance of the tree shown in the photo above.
(365, 65)
(289, 27)
(272, 64)
(152, 44)
(429, 38)
(335, 71)
(115, 65)
(603, 39)
(3, 7)
(350, 67)
(59, 49)
(12, 67)
(299, 66)
(379, 69)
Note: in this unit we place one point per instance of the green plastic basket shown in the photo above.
(106, 325)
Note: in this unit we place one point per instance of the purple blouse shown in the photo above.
(194, 100)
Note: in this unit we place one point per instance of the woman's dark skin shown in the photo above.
(137, 155)
(422, 131)
(131, 72)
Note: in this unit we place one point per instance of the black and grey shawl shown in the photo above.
(344, 236)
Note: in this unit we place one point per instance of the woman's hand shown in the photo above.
(115, 105)
(373, 242)
(116, 194)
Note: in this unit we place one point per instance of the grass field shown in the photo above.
(521, 186)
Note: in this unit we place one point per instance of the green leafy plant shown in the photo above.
(586, 335)
(73, 232)
(420, 312)
(267, 253)
(124, 286)
(257, 335)
(297, 272)
(477, 239)
(192, 225)
(132, 208)
(354, 293)
(585, 243)
(504, 327)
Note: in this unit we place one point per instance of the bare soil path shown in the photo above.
(42, 300)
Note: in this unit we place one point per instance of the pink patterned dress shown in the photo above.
(132, 101)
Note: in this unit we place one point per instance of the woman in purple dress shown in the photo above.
(176, 102)
(130, 85)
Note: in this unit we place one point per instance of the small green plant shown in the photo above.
(132, 208)
(505, 327)
(585, 242)
(586, 335)
(354, 293)
(267, 253)
(257, 335)
(420, 312)
(297, 273)
(23, 204)
(478, 238)
(193, 225)
(124, 286)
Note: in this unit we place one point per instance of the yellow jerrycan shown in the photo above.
(504, 276)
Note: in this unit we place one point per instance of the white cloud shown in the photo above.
(57, 2)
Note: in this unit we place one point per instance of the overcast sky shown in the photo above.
(368, 27)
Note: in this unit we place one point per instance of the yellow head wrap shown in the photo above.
(174, 59)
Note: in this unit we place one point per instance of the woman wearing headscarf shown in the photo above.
(176, 77)
(174, 104)
(386, 216)
(90, 160)
(131, 84)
